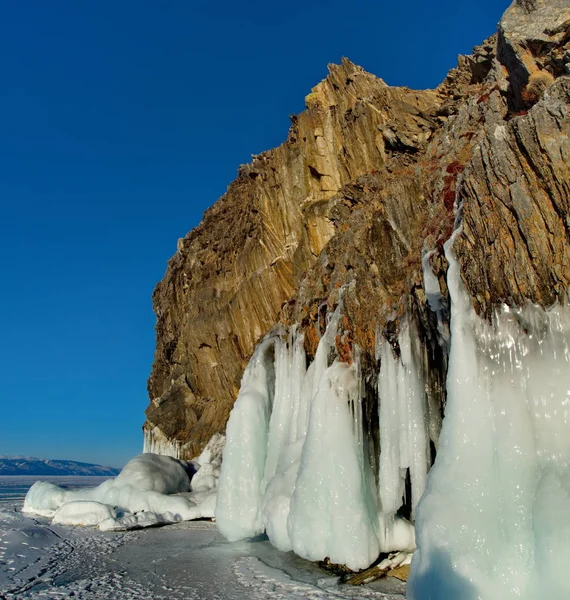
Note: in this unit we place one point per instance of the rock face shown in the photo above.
(371, 181)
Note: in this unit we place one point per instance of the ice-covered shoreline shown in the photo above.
(188, 560)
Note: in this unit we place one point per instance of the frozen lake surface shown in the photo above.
(189, 560)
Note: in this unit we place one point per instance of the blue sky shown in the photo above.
(121, 122)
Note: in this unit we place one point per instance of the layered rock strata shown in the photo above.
(358, 201)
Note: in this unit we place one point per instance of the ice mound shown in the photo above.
(150, 490)
(152, 472)
(83, 512)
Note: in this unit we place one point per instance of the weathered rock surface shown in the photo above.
(370, 179)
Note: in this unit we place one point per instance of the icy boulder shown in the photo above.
(152, 472)
(153, 485)
(44, 498)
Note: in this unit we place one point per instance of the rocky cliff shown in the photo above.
(357, 203)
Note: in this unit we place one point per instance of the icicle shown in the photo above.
(294, 461)
(281, 414)
(157, 443)
(495, 520)
(287, 430)
(404, 439)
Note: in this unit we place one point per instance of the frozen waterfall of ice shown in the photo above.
(295, 464)
(494, 522)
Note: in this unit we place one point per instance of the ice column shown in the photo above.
(404, 438)
(239, 511)
(287, 430)
(333, 509)
(495, 520)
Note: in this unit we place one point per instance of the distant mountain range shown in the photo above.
(28, 465)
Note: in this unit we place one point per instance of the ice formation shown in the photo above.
(334, 509)
(239, 510)
(495, 520)
(150, 490)
(155, 442)
(436, 300)
(296, 461)
(404, 438)
(83, 512)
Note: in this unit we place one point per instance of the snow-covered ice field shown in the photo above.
(188, 560)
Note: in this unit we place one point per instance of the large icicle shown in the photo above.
(239, 504)
(287, 429)
(495, 520)
(404, 438)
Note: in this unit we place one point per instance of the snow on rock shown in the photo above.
(150, 490)
(495, 520)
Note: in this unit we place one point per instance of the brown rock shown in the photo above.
(369, 179)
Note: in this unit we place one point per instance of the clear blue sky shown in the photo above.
(121, 122)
